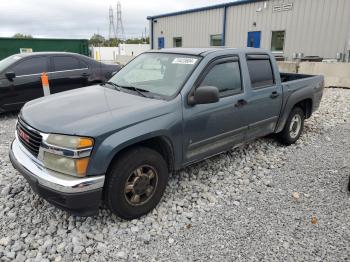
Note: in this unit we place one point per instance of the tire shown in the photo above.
(293, 128)
(135, 182)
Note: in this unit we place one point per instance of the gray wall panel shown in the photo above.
(313, 27)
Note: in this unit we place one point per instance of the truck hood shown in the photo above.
(90, 111)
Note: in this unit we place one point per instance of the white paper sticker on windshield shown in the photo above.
(185, 61)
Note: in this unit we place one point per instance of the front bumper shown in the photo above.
(80, 196)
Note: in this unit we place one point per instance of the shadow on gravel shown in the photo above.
(8, 115)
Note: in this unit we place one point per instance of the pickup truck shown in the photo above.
(116, 143)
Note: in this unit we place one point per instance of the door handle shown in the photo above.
(274, 94)
(241, 103)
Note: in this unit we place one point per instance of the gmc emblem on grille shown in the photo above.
(23, 135)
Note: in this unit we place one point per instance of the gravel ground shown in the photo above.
(262, 201)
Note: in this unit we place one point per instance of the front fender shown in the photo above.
(167, 126)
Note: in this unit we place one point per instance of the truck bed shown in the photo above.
(300, 87)
(286, 77)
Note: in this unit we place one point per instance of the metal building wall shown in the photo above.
(313, 27)
(194, 28)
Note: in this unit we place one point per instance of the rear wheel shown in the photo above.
(136, 182)
(293, 127)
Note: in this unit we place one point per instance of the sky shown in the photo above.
(83, 18)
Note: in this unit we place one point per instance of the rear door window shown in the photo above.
(260, 71)
(35, 65)
(63, 63)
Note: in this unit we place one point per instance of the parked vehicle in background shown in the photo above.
(20, 75)
(162, 112)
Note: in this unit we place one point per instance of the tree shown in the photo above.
(137, 41)
(97, 40)
(113, 42)
(19, 35)
(146, 40)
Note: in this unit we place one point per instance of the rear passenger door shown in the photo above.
(265, 99)
(68, 72)
(216, 127)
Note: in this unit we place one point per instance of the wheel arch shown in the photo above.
(160, 143)
(305, 104)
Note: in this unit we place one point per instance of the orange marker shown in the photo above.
(45, 84)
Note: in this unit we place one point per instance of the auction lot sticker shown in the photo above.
(185, 61)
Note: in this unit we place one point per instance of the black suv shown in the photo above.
(20, 75)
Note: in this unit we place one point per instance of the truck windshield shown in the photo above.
(156, 73)
(8, 61)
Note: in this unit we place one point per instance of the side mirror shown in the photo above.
(204, 95)
(10, 75)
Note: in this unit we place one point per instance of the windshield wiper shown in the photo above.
(138, 90)
(117, 87)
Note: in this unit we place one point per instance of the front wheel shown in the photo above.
(136, 182)
(293, 128)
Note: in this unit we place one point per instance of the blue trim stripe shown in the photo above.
(238, 2)
(152, 42)
(223, 41)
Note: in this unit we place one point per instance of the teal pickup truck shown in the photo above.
(118, 142)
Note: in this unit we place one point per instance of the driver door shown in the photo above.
(212, 128)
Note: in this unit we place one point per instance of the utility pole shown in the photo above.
(112, 31)
(120, 28)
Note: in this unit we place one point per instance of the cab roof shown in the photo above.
(206, 51)
(45, 53)
(189, 51)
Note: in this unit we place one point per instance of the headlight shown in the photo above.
(69, 166)
(67, 154)
(72, 142)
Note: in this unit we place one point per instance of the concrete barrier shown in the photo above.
(123, 59)
(288, 67)
(336, 74)
(119, 59)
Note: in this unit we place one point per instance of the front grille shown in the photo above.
(29, 137)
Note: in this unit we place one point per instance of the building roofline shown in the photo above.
(206, 8)
(41, 38)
